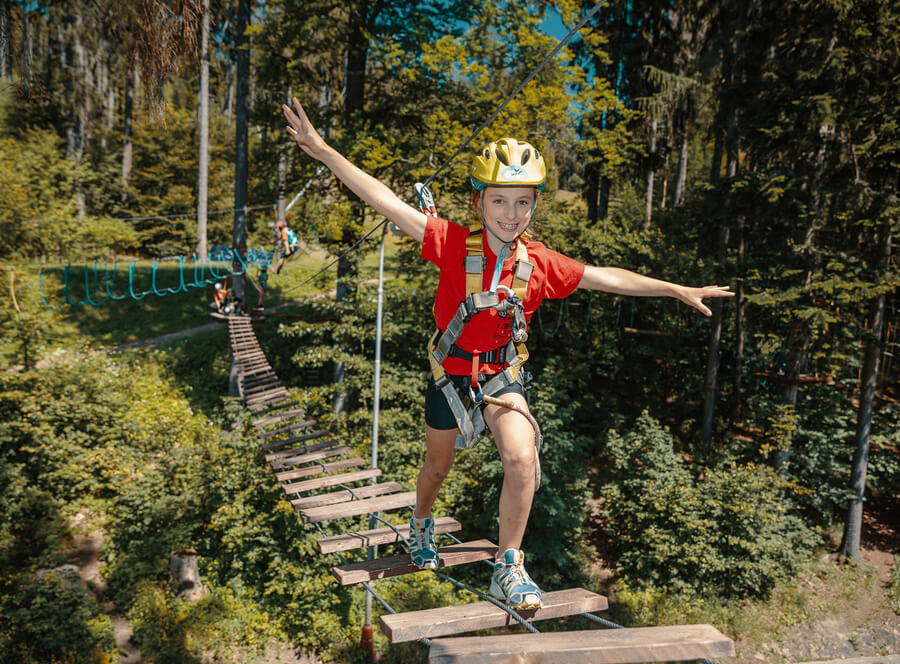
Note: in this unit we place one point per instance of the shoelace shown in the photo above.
(514, 575)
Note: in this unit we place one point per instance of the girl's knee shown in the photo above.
(519, 463)
(437, 468)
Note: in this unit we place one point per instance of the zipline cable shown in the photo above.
(466, 143)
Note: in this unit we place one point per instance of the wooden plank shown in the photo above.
(259, 410)
(382, 568)
(320, 467)
(271, 445)
(356, 507)
(283, 463)
(448, 620)
(265, 435)
(305, 449)
(331, 480)
(364, 538)
(270, 393)
(312, 456)
(260, 383)
(344, 495)
(268, 397)
(611, 646)
(281, 417)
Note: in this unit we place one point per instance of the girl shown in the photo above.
(475, 347)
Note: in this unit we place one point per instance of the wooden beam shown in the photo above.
(306, 458)
(271, 409)
(325, 444)
(281, 417)
(356, 507)
(364, 538)
(382, 568)
(274, 444)
(315, 469)
(611, 646)
(265, 435)
(344, 495)
(448, 620)
(331, 480)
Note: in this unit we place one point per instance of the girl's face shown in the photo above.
(507, 210)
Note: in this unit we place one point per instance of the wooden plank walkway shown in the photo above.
(294, 449)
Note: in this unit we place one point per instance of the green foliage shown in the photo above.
(49, 617)
(729, 532)
(893, 593)
(223, 625)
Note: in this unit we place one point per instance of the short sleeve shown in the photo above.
(563, 274)
(439, 237)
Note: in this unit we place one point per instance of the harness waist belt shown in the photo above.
(496, 356)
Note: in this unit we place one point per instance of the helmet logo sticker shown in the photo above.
(514, 172)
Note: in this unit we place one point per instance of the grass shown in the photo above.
(117, 322)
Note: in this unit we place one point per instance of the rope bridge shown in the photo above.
(307, 459)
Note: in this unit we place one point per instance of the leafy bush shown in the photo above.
(729, 532)
(894, 589)
(51, 618)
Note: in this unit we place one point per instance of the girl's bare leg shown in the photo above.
(514, 437)
(439, 455)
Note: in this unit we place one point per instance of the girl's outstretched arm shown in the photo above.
(623, 282)
(369, 189)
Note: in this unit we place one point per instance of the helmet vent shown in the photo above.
(487, 154)
(501, 157)
(526, 156)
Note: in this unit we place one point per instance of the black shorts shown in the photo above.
(437, 411)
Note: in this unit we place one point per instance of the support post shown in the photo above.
(367, 643)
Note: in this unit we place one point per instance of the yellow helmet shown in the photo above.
(508, 163)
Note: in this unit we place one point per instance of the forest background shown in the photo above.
(708, 462)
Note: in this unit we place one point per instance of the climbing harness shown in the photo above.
(467, 411)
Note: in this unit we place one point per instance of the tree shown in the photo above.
(241, 147)
(868, 377)
(203, 119)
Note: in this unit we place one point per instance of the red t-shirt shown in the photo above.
(554, 276)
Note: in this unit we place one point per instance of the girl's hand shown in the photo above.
(302, 130)
(695, 296)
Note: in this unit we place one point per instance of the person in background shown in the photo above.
(289, 243)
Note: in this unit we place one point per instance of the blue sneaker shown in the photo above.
(512, 584)
(422, 548)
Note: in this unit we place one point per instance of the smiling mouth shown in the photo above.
(507, 227)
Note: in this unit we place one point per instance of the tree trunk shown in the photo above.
(739, 305)
(241, 149)
(357, 54)
(603, 198)
(128, 147)
(713, 355)
(681, 182)
(5, 68)
(715, 168)
(665, 183)
(591, 190)
(27, 52)
(853, 525)
(203, 166)
(649, 197)
(228, 108)
(186, 575)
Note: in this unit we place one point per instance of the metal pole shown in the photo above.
(373, 550)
